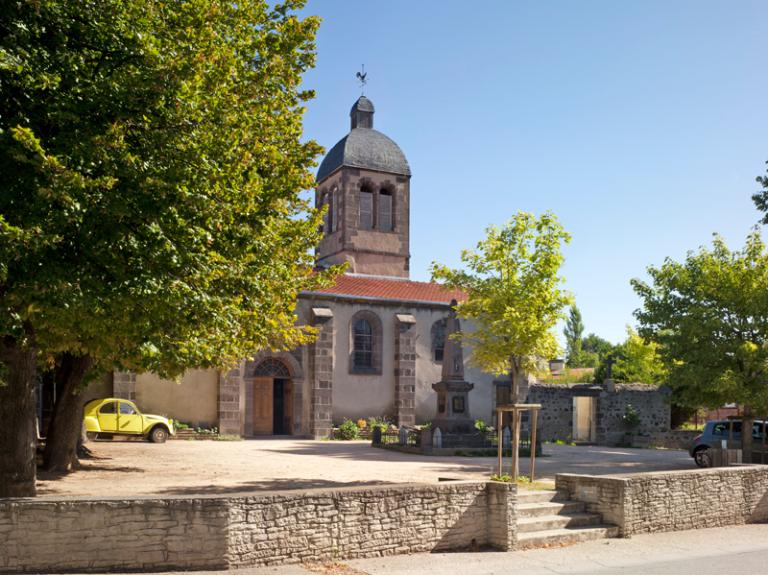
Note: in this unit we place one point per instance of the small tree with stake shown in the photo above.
(514, 296)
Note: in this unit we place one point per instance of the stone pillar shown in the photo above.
(232, 402)
(124, 385)
(321, 374)
(405, 369)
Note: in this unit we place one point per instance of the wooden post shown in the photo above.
(499, 437)
(534, 418)
(515, 444)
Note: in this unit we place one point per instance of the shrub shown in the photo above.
(631, 418)
(481, 426)
(361, 423)
(348, 430)
(380, 422)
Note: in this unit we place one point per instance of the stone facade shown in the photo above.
(674, 500)
(242, 531)
(124, 385)
(405, 369)
(556, 418)
(321, 366)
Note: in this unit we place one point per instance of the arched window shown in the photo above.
(272, 367)
(327, 216)
(365, 343)
(385, 211)
(438, 340)
(366, 208)
(334, 209)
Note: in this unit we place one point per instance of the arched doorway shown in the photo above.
(272, 398)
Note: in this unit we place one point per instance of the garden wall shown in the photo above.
(240, 531)
(674, 500)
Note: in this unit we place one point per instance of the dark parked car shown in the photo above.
(728, 431)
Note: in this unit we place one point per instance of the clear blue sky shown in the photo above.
(642, 125)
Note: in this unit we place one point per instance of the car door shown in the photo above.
(129, 420)
(108, 417)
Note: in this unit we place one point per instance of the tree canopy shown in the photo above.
(635, 361)
(709, 316)
(151, 163)
(761, 197)
(574, 332)
(514, 293)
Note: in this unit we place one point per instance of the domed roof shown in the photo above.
(364, 147)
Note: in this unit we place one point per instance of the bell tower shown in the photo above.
(364, 183)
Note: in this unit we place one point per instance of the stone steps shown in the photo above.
(550, 522)
(560, 537)
(549, 508)
(537, 496)
(549, 519)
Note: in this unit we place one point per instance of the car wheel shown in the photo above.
(158, 435)
(703, 457)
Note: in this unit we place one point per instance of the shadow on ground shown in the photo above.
(266, 485)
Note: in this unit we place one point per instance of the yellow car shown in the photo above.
(112, 416)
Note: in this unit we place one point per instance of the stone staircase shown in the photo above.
(549, 519)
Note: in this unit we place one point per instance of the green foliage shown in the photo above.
(639, 361)
(481, 426)
(575, 375)
(514, 293)
(151, 163)
(380, 422)
(709, 317)
(348, 430)
(761, 198)
(574, 331)
(631, 418)
(594, 350)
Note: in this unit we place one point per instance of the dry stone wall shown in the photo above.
(675, 500)
(241, 531)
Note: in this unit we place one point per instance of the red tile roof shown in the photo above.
(390, 289)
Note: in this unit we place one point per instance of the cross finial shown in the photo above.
(361, 78)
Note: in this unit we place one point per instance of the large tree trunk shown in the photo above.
(746, 435)
(66, 424)
(18, 438)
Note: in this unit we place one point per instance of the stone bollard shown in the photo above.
(403, 436)
(437, 438)
(426, 440)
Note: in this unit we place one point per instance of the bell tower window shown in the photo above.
(366, 209)
(385, 211)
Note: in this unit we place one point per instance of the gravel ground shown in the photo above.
(134, 468)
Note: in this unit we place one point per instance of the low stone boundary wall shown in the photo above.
(267, 529)
(674, 500)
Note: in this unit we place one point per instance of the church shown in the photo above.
(381, 336)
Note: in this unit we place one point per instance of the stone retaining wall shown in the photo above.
(674, 500)
(240, 531)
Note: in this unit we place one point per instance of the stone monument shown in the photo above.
(452, 391)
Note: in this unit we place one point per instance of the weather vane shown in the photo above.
(361, 78)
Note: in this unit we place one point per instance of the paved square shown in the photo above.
(126, 468)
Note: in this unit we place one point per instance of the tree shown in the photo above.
(761, 198)
(635, 361)
(151, 163)
(709, 316)
(514, 296)
(574, 332)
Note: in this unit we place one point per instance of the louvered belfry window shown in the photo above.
(366, 209)
(385, 211)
